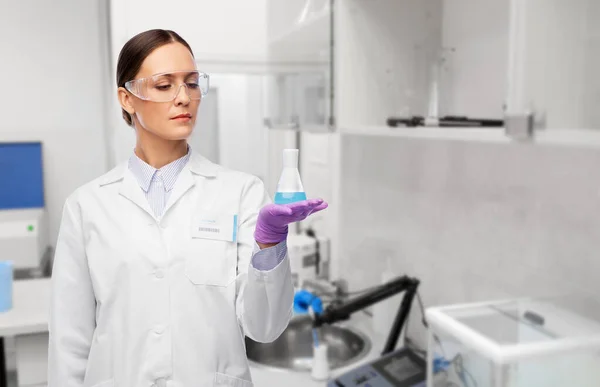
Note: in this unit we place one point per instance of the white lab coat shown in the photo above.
(138, 302)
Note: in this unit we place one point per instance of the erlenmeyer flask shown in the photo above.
(289, 187)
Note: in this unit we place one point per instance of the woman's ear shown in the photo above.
(126, 101)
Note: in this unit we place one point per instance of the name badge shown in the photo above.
(221, 227)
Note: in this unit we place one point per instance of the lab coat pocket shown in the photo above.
(222, 380)
(211, 262)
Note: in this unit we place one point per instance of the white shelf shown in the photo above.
(464, 134)
(585, 138)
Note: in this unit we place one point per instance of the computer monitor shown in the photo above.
(21, 175)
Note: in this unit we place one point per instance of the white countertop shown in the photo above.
(31, 307)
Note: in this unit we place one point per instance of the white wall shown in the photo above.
(242, 136)
(54, 69)
(216, 30)
(205, 138)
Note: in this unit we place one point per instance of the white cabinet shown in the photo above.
(298, 31)
(299, 50)
(383, 54)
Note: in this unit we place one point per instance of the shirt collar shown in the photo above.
(144, 173)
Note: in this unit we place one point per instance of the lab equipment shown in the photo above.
(302, 251)
(342, 311)
(164, 87)
(400, 368)
(323, 253)
(305, 302)
(395, 368)
(516, 343)
(273, 220)
(6, 285)
(293, 349)
(289, 187)
(320, 365)
(24, 237)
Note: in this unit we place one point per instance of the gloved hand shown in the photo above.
(304, 299)
(273, 219)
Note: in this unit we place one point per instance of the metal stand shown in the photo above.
(401, 317)
(339, 312)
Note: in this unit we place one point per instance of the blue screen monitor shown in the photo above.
(21, 175)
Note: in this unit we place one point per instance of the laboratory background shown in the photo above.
(457, 143)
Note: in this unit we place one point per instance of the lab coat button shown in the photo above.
(159, 329)
(159, 274)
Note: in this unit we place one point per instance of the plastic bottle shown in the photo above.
(320, 365)
(289, 187)
(6, 286)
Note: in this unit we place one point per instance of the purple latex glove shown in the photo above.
(273, 219)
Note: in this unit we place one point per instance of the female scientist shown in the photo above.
(165, 263)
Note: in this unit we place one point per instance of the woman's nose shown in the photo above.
(182, 97)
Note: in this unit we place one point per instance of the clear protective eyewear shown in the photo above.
(164, 87)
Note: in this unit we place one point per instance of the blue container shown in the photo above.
(289, 197)
(6, 285)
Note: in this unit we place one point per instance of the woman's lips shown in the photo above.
(182, 117)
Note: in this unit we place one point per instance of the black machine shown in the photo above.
(401, 368)
(395, 368)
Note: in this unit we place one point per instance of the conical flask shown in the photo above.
(289, 187)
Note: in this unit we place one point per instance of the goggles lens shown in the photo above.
(166, 86)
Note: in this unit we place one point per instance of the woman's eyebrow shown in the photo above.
(170, 75)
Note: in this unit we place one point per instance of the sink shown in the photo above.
(293, 349)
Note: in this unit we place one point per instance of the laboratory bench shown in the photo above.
(27, 322)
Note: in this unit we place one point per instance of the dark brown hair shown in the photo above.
(136, 50)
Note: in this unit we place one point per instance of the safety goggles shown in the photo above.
(164, 87)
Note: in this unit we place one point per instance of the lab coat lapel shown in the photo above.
(132, 191)
(184, 183)
(199, 172)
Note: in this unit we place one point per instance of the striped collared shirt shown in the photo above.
(157, 183)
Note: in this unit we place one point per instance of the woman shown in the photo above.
(165, 263)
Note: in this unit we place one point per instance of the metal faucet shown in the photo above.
(335, 289)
